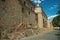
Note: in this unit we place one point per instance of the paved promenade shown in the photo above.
(52, 35)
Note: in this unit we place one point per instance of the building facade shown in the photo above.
(44, 20)
(18, 19)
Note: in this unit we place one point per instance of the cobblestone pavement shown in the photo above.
(52, 35)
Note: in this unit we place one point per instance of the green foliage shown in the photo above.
(56, 20)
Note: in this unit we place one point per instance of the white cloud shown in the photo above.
(37, 1)
(53, 7)
(42, 0)
(50, 18)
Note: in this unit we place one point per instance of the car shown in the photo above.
(57, 28)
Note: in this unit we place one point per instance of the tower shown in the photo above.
(38, 10)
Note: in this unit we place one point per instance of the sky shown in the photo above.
(50, 7)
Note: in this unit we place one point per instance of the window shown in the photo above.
(30, 24)
(24, 2)
(29, 13)
(36, 18)
(43, 23)
(43, 20)
(31, 8)
(3, 0)
(23, 10)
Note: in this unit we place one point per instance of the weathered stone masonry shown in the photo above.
(18, 19)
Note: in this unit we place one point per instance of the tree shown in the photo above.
(56, 21)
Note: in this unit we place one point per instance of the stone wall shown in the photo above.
(16, 20)
(45, 23)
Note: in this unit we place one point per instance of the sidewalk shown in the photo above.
(33, 37)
